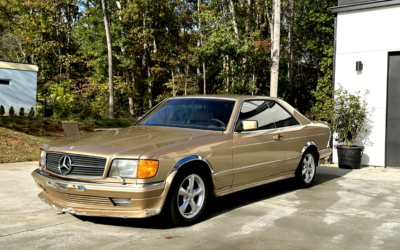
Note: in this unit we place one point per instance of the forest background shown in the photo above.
(163, 48)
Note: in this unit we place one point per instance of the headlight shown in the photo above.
(133, 169)
(42, 158)
(123, 168)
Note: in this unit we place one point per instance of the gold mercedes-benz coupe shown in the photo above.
(183, 151)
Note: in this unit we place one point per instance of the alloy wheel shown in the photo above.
(308, 170)
(191, 196)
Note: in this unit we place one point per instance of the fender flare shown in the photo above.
(307, 146)
(191, 158)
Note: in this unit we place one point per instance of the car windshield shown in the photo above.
(197, 113)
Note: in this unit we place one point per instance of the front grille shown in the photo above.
(80, 199)
(82, 165)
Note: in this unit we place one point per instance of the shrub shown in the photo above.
(11, 112)
(348, 116)
(21, 111)
(62, 98)
(31, 112)
(2, 111)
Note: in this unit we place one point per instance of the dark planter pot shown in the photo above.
(350, 157)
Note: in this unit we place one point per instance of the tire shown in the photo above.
(182, 195)
(307, 169)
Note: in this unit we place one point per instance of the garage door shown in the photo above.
(393, 112)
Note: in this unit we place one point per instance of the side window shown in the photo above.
(282, 117)
(256, 110)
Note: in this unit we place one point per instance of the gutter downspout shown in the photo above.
(333, 76)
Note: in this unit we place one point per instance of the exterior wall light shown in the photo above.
(359, 66)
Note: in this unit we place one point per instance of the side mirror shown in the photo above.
(249, 125)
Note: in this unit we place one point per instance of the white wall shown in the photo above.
(368, 36)
(21, 92)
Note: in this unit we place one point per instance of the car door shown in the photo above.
(292, 137)
(259, 153)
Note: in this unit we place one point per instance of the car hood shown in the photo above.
(127, 142)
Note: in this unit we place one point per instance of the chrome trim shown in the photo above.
(191, 158)
(323, 150)
(265, 163)
(202, 97)
(183, 97)
(255, 131)
(225, 172)
(151, 110)
(154, 184)
(308, 144)
(303, 137)
(85, 166)
(288, 159)
(257, 165)
(248, 145)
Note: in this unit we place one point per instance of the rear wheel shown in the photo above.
(190, 195)
(305, 173)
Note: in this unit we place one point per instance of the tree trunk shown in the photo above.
(199, 29)
(146, 61)
(110, 65)
(173, 84)
(233, 12)
(68, 41)
(271, 24)
(290, 45)
(229, 73)
(249, 2)
(186, 76)
(204, 77)
(131, 107)
(276, 49)
(201, 44)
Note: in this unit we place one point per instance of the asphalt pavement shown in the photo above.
(345, 209)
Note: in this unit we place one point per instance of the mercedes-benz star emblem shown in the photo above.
(65, 165)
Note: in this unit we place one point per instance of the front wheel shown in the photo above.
(305, 173)
(190, 195)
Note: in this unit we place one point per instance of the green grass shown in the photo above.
(19, 147)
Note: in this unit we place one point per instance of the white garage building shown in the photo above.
(368, 32)
(18, 83)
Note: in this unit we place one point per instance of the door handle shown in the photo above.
(278, 137)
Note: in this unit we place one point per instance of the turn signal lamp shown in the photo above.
(147, 169)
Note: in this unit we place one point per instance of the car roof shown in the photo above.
(233, 97)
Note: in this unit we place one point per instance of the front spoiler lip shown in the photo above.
(144, 213)
(140, 207)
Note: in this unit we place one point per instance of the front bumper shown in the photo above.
(96, 199)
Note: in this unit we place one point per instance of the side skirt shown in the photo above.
(229, 190)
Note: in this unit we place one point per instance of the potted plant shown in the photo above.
(349, 114)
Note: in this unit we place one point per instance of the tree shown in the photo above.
(110, 63)
(276, 43)
(165, 48)
(290, 41)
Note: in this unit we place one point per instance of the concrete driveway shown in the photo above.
(345, 209)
